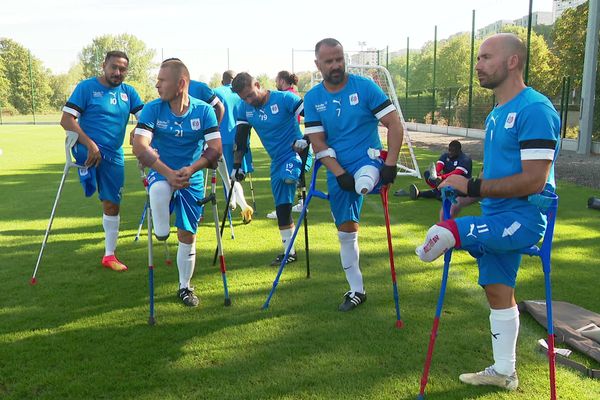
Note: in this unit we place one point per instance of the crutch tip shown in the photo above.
(399, 324)
(33, 281)
(227, 302)
(265, 306)
(420, 397)
(151, 321)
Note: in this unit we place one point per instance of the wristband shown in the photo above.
(474, 187)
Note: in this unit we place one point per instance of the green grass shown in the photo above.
(82, 331)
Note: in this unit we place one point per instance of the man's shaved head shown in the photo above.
(511, 45)
(178, 69)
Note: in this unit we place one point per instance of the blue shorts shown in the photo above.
(284, 178)
(346, 206)
(228, 155)
(496, 242)
(108, 177)
(184, 202)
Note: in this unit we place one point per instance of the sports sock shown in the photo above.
(110, 223)
(504, 325)
(349, 255)
(286, 236)
(186, 261)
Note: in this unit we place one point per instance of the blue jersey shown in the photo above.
(230, 101)
(276, 123)
(202, 91)
(348, 117)
(103, 112)
(462, 162)
(525, 128)
(179, 140)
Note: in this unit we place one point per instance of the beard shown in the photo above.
(114, 81)
(336, 76)
(494, 80)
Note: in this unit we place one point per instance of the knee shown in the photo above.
(110, 208)
(284, 214)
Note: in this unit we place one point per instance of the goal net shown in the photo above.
(407, 163)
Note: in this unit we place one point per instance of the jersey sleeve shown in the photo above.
(147, 121)
(379, 104)
(538, 132)
(135, 102)
(312, 119)
(77, 102)
(240, 115)
(211, 130)
(294, 104)
(465, 164)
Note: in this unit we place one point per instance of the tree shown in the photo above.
(266, 82)
(543, 74)
(62, 86)
(17, 60)
(4, 85)
(215, 80)
(140, 60)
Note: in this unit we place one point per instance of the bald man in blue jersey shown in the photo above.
(177, 136)
(341, 118)
(521, 145)
(98, 111)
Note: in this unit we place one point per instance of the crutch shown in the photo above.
(224, 172)
(70, 140)
(384, 200)
(146, 207)
(547, 202)
(303, 190)
(223, 221)
(311, 192)
(213, 200)
(447, 196)
(151, 318)
(252, 191)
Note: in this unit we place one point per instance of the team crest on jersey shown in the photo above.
(124, 96)
(510, 120)
(195, 123)
(274, 109)
(353, 99)
(162, 124)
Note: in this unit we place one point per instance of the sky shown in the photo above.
(258, 36)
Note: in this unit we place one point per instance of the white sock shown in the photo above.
(350, 257)
(286, 236)
(111, 233)
(238, 193)
(505, 329)
(186, 261)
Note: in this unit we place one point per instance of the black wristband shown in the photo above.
(474, 187)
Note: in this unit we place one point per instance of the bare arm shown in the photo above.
(530, 180)
(219, 110)
(69, 123)
(395, 136)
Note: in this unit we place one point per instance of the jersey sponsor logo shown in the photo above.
(124, 96)
(321, 107)
(162, 124)
(510, 120)
(97, 93)
(274, 109)
(249, 114)
(514, 227)
(353, 99)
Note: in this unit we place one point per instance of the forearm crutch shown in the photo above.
(311, 192)
(70, 140)
(213, 200)
(303, 190)
(547, 201)
(224, 220)
(384, 200)
(447, 195)
(151, 318)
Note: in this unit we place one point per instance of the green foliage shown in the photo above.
(140, 60)
(266, 82)
(16, 61)
(569, 42)
(62, 86)
(543, 74)
(215, 80)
